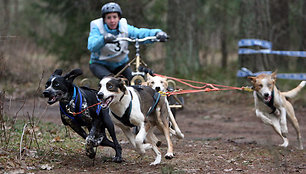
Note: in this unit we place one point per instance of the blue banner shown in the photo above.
(255, 42)
(267, 51)
(244, 72)
(268, 48)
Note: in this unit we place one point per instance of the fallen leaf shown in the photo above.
(57, 139)
(46, 167)
(228, 170)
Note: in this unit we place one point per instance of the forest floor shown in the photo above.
(222, 135)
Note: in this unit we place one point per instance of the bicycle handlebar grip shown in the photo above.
(109, 38)
(162, 36)
(146, 70)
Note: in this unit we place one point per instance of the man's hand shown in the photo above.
(109, 38)
(162, 36)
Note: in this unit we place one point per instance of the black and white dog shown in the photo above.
(142, 107)
(74, 102)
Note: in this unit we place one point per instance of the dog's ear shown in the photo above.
(121, 85)
(57, 72)
(73, 74)
(149, 76)
(273, 75)
(252, 79)
(165, 83)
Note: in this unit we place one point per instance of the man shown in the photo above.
(106, 57)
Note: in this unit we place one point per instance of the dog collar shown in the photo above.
(270, 104)
(74, 93)
(156, 98)
(121, 97)
(125, 118)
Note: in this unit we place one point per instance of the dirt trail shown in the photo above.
(222, 135)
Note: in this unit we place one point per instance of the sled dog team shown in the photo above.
(138, 110)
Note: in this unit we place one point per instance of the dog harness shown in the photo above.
(125, 119)
(77, 102)
(156, 98)
(270, 104)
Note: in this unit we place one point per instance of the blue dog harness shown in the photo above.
(78, 103)
(156, 98)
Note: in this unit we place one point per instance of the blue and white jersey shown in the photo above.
(109, 54)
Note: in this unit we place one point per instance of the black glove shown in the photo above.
(109, 38)
(146, 70)
(162, 36)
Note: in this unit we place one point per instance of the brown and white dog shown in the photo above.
(137, 106)
(272, 106)
(157, 82)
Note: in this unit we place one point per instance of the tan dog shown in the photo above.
(156, 82)
(137, 106)
(272, 106)
(159, 83)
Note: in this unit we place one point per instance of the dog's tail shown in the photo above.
(177, 132)
(292, 93)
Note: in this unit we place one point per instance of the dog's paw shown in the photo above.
(285, 144)
(98, 141)
(89, 140)
(157, 161)
(117, 159)
(182, 136)
(146, 147)
(89, 148)
(159, 143)
(301, 147)
(90, 152)
(169, 155)
(154, 163)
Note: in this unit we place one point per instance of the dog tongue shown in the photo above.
(267, 99)
(52, 99)
(105, 102)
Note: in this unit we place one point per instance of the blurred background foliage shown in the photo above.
(39, 35)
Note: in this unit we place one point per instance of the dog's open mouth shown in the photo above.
(53, 99)
(267, 99)
(106, 102)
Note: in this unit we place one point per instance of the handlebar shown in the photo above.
(152, 38)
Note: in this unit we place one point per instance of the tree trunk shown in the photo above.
(4, 23)
(279, 10)
(301, 61)
(255, 24)
(224, 49)
(224, 35)
(182, 48)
